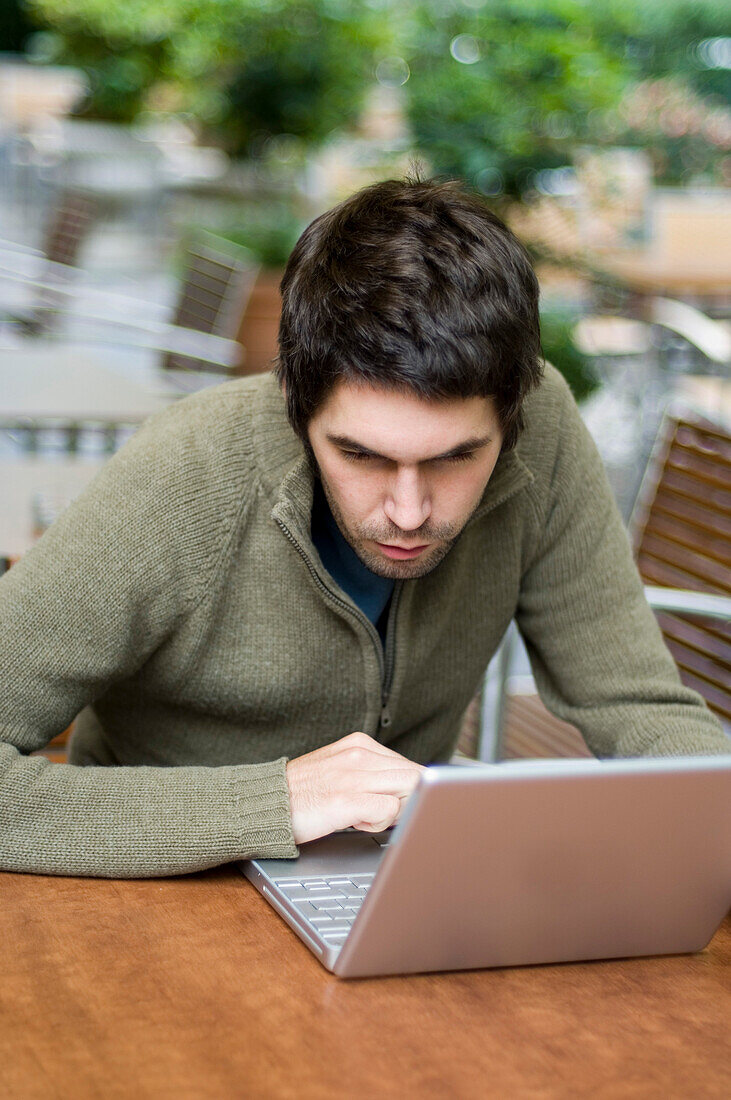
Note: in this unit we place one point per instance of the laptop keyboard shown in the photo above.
(329, 904)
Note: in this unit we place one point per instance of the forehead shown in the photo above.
(399, 423)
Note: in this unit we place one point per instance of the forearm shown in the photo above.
(139, 822)
(647, 716)
(596, 650)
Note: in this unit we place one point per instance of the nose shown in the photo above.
(408, 503)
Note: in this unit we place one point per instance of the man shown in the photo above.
(290, 591)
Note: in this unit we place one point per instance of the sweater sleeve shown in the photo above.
(86, 606)
(596, 650)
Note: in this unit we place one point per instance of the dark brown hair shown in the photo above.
(411, 284)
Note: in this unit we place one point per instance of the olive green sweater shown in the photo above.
(180, 606)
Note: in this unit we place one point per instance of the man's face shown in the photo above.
(402, 475)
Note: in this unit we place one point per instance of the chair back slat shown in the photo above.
(535, 732)
(712, 637)
(687, 537)
(682, 539)
(706, 573)
(68, 226)
(657, 572)
(212, 298)
(701, 665)
(702, 516)
(713, 493)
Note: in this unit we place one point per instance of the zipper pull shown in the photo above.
(385, 714)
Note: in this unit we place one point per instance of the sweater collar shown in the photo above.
(287, 478)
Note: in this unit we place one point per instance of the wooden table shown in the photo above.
(193, 988)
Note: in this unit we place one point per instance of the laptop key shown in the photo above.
(308, 910)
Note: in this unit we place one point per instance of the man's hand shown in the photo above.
(354, 782)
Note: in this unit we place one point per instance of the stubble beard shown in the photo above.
(409, 569)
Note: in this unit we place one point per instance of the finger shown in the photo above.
(349, 742)
(344, 768)
(365, 742)
(372, 756)
(398, 782)
(376, 813)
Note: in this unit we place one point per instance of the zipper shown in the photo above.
(388, 657)
(385, 658)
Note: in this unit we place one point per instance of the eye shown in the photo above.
(465, 456)
(356, 456)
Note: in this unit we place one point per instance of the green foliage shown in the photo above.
(246, 69)
(496, 91)
(303, 74)
(501, 90)
(557, 325)
(268, 230)
(541, 74)
(15, 25)
(685, 135)
(662, 38)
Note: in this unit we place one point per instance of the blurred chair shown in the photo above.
(699, 333)
(681, 529)
(638, 361)
(34, 277)
(212, 298)
(200, 337)
(126, 174)
(614, 338)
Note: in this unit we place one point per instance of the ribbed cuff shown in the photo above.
(265, 816)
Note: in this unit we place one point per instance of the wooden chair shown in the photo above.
(43, 275)
(212, 298)
(198, 340)
(69, 225)
(709, 337)
(681, 534)
(682, 539)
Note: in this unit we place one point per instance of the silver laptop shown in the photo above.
(519, 863)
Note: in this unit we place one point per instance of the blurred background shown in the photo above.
(159, 158)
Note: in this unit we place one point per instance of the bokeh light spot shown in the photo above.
(392, 72)
(465, 49)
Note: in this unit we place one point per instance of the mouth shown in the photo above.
(401, 553)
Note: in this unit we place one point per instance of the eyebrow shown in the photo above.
(471, 444)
